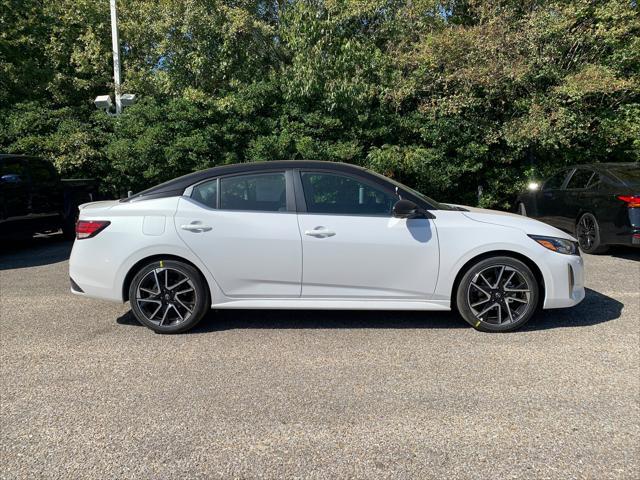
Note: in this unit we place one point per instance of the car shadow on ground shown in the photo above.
(34, 252)
(594, 309)
(627, 253)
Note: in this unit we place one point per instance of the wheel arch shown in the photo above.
(581, 212)
(499, 253)
(135, 268)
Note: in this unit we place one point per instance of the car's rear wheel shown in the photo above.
(497, 294)
(588, 234)
(168, 296)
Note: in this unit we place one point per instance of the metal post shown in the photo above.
(116, 55)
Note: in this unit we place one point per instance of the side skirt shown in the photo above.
(324, 304)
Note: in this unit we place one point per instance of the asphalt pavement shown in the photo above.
(88, 393)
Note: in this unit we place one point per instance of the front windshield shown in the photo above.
(431, 201)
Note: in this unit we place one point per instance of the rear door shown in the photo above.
(353, 248)
(244, 229)
(578, 194)
(47, 196)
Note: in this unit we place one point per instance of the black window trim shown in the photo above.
(289, 190)
(302, 202)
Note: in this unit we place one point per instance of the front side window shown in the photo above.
(258, 192)
(12, 171)
(343, 195)
(556, 181)
(580, 179)
(206, 193)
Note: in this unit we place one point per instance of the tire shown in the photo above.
(522, 210)
(588, 234)
(69, 224)
(168, 296)
(505, 282)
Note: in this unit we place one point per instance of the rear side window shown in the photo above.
(630, 175)
(595, 181)
(259, 192)
(556, 181)
(42, 172)
(339, 194)
(206, 193)
(580, 179)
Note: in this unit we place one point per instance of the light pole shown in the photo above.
(122, 100)
(115, 41)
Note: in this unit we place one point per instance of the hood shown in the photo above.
(513, 220)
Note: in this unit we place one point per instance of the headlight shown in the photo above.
(560, 245)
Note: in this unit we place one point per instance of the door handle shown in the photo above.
(320, 232)
(195, 227)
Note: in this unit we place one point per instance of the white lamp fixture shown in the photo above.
(127, 99)
(103, 102)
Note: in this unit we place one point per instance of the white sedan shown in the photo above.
(316, 235)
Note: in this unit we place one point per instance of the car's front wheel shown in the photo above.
(168, 296)
(497, 294)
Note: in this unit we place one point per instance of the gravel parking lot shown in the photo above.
(88, 393)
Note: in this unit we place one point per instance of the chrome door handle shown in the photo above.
(320, 232)
(195, 227)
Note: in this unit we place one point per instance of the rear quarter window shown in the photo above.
(206, 193)
(629, 175)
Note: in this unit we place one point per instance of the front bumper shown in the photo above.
(564, 287)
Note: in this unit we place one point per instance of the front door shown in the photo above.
(550, 200)
(353, 248)
(244, 229)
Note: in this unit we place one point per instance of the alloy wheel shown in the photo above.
(166, 296)
(499, 295)
(586, 232)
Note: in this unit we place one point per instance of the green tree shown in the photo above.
(444, 95)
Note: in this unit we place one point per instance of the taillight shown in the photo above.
(632, 201)
(90, 228)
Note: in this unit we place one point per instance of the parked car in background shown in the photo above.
(34, 199)
(598, 203)
(316, 235)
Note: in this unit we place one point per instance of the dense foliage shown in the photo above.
(443, 95)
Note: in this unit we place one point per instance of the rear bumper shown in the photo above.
(628, 237)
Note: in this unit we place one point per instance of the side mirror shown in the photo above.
(407, 209)
(10, 178)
